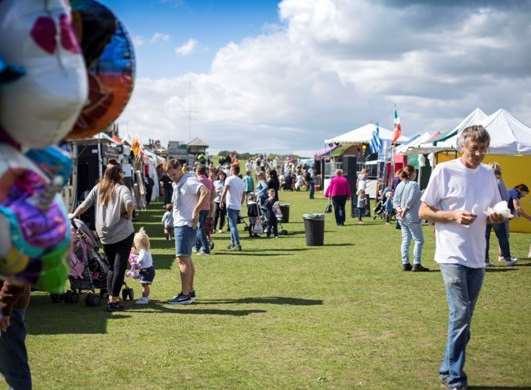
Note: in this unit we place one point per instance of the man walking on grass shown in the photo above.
(456, 200)
(233, 197)
(189, 195)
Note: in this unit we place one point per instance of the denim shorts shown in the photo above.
(184, 240)
(147, 275)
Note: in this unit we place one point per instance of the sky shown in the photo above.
(282, 76)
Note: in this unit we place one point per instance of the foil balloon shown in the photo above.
(34, 233)
(110, 61)
(40, 108)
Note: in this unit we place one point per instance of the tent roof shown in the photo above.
(414, 143)
(507, 136)
(363, 135)
(197, 142)
(476, 117)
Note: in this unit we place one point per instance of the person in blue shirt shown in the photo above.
(513, 199)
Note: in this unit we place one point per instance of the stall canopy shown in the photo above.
(508, 136)
(447, 140)
(412, 146)
(363, 135)
(324, 152)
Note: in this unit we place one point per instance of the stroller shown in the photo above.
(255, 226)
(88, 268)
(266, 223)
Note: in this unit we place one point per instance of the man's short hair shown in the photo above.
(475, 133)
(201, 169)
(236, 168)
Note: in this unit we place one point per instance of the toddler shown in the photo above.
(167, 222)
(146, 272)
(361, 205)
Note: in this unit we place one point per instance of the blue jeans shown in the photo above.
(201, 240)
(462, 286)
(13, 354)
(501, 233)
(233, 225)
(412, 230)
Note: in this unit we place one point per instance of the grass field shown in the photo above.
(280, 315)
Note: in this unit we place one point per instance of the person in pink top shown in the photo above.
(339, 191)
(202, 244)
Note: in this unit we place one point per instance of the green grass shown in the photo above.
(280, 315)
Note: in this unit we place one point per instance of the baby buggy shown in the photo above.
(88, 267)
(255, 227)
(267, 225)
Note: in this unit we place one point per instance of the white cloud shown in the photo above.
(186, 48)
(159, 37)
(138, 41)
(338, 64)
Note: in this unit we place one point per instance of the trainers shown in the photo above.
(192, 295)
(142, 301)
(203, 253)
(406, 267)
(115, 306)
(211, 245)
(194, 249)
(181, 299)
(419, 268)
(501, 258)
(511, 262)
(236, 248)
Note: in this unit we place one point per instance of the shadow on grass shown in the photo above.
(250, 253)
(160, 307)
(163, 261)
(45, 318)
(264, 300)
(499, 269)
(340, 244)
(499, 387)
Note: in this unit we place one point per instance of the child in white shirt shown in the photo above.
(145, 261)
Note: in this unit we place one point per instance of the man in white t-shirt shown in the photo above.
(232, 198)
(456, 200)
(189, 195)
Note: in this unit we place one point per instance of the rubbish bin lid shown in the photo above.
(315, 216)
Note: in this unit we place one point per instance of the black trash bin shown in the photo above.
(314, 229)
(284, 208)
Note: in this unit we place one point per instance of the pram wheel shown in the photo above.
(128, 294)
(92, 300)
(71, 297)
(57, 298)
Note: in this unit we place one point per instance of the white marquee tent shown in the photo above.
(508, 136)
(363, 135)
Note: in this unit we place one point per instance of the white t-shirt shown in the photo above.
(453, 186)
(185, 197)
(235, 192)
(144, 259)
(362, 186)
(218, 189)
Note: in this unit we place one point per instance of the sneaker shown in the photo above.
(203, 253)
(511, 262)
(220, 231)
(406, 267)
(236, 248)
(211, 245)
(142, 301)
(419, 268)
(444, 381)
(501, 258)
(192, 295)
(194, 249)
(115, 306)
(181, 299)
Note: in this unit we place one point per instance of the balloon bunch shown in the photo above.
(46, 92)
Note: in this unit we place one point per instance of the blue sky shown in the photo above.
(212, 23)
(290, 74)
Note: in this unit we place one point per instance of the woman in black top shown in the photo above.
(273, 182)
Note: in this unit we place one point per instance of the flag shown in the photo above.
(376, 142)
(398, 130)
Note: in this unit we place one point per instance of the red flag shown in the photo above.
(398, 130)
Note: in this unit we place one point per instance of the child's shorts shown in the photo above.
(147, 275)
